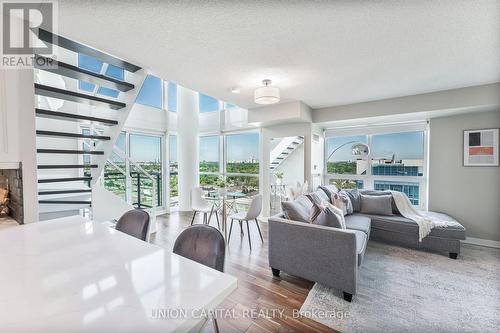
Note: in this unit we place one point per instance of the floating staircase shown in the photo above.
(70, 161)
(283, 150)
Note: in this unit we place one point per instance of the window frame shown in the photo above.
(369, 179)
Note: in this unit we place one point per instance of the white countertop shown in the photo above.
(71, 275)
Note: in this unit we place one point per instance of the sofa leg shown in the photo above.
(276, 272)
(347, 297)
(453, 255)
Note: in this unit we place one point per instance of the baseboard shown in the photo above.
(482, 242)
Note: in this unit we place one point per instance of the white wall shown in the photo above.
(469, 194)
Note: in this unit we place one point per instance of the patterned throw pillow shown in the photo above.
(347, 200)
(326, 214)
(4, 194)
(338, 201)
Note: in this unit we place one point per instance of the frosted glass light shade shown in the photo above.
(267, 95)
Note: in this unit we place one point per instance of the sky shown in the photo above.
(409, 145)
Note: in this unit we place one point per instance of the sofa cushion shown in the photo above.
(347, 200)
(361, 241)
(376, 204)
(395, 209)
(401, 224)
(318, 197)
(355, 197)
(330, 216)
(358, 222)
(298, 209)
(329, 189)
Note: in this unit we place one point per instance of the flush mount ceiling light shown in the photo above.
(235, 90)
(267, 94)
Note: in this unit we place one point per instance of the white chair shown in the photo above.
(201, 205)
(253, 212)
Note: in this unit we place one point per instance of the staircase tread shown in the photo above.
(68, 116)
(73, 135)
(48, 37)
(68, 70)
(68, 202)
(73, 96)
(66, 166)
(68, 179)
(69, 151)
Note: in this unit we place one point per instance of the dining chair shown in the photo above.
(201, 205)
(205, 245)
(253, 212)
(135, 223)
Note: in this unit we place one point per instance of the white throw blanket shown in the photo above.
(425, 221)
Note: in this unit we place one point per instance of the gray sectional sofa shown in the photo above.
(333, 256)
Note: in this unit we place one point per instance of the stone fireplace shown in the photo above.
(12, 181)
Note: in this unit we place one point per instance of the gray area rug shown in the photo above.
(404, 290)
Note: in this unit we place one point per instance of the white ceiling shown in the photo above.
(323, 53)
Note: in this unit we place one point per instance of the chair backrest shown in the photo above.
(255, 208)
(197, 199)
(203, 244)
(135, 222)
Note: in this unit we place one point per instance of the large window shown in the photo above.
(173, 170)
(151, 92)
(145, 150)
(396, 161)
(242, 163)
(208, 104)
(172, 97)
(239, 168)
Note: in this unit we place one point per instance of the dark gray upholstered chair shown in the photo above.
(135, 223)
(203, 244)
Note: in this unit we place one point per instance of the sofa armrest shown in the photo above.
(317, 253)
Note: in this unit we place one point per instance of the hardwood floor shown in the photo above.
(258, 290)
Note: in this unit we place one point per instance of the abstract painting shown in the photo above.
(481, 147)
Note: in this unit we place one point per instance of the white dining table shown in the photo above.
(74, 275)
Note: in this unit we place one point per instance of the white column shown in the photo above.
(187, 144)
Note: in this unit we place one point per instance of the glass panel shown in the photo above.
(174, 193)
(172, 97)
(89, 63)
(86, 86)
(115, 72)
(209, 182)
(151, 91)
(208, 104)
(108, 92)
(248, 185)
(339, 156)
(412, 190)
(398, 154)
(346, 183)
(229, 106)
(145, 150)
(209, 153)
(242, 153)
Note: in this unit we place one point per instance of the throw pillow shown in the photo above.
(318, 196)
(376, 204)
(329, 190)
(330, 216)
(338, 202)
(348, 203)
(395, 209)
(355, 197)
(297, 210)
